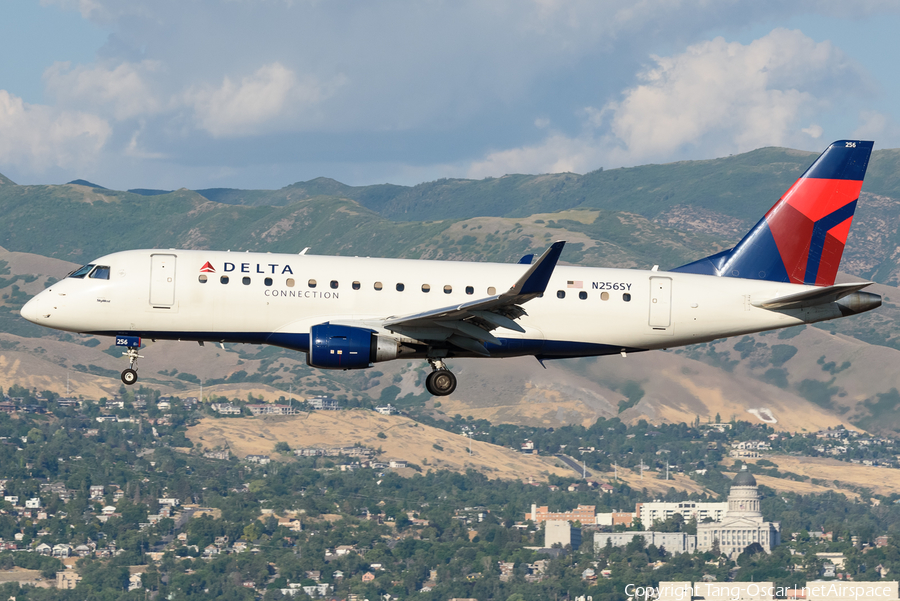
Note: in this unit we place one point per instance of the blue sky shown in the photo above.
(265, 93)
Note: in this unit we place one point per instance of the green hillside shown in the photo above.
(742, 186)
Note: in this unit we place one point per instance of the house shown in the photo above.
(135, 583)
(67, 580)
(97, 490)
(260, 459)
(386, 410)
(33, 503)
(271, 409)
(61, 550)
(324, 403)
(225, 408)
(368, 577)
(44, 549)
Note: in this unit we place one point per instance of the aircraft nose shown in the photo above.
(32, 310)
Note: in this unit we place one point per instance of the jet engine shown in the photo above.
(334, 346)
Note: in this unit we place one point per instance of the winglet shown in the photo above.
(526, 259)
(535, 280)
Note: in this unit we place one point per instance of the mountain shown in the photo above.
(740, 186)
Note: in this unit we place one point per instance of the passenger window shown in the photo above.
(448, 289)
(203, 278)
(582, 295)
(268, 281)
(334, 284)
(604, 296)
(470, 290)
(81, 271)
(355, 285)
(492, 291)
(246, 281)
(312, 283)
(100, 273)
(400, 287)
(378, 285)
(560, 294)
(224, 279)
(426, 288)
(626, 297)
(289, 282)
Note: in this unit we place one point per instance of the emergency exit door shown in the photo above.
(162, 280)
(660, 303)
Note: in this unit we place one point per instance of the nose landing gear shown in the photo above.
(129, 376)
(441, 381)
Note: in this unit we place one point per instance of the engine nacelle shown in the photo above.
(334, 346)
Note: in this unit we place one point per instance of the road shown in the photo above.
(574, 465)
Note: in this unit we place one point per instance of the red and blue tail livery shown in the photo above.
(801, 239)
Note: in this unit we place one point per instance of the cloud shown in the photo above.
(271, 99)
(124, 90)
(36, 137)
(712, 99)
(558, 153)
(730, 96)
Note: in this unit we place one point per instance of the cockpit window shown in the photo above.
(101, 272)
(82, 271)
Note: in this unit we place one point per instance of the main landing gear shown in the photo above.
(129, 376)
(441, 381)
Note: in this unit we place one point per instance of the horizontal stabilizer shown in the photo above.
(811, 298)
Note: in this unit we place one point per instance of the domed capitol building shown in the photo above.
(743, 523)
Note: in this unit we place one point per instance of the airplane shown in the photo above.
(352, 312)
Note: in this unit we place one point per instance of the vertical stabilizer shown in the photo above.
(801, 239)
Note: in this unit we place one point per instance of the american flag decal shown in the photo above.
(575, 284)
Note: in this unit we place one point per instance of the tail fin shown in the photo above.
(801, 239)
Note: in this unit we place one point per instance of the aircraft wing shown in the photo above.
(469, 325)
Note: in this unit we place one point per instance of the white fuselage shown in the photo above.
(160, 294)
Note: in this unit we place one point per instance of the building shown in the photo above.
(386, 410)
(615, 518)
(650, 513)
(271, 409)
(743, 523)
(673, 542)
(225, 408)
(324, 403)
(586, 514)
(67, 580)
(564, 534)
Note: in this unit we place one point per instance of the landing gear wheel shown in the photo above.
(441, 382)
(129, 376)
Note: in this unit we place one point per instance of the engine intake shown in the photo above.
(334, 346)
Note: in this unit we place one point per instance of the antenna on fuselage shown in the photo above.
(303, 252)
